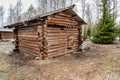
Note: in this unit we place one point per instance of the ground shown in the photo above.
(101, 62)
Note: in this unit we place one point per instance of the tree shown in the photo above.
(11, 14)
(1, 14)
(18, 10)
(31, 11)
(63, 3)
(89, 20)
(105, 30)
(98, 7)
(42, 6)
(83, 5)
(115, 4)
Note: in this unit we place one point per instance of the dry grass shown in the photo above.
(101, 62)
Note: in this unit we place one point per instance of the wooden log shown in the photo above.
(56, 38)
(61, 23)
(30, 47)
(62, 19)
(26, 29)
(29, 50)
(29, 44)
(53, 43)
(52, 27)
(31, 33)
(53, 54)
(61, 34)
(56, 49)
(28, 41)
(56, 46)
(26, 35)
(64, 15)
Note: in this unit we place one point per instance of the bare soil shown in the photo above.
(101, 62)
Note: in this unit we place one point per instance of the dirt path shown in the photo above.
(101, 62)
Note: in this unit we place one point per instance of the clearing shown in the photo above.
(101, 62)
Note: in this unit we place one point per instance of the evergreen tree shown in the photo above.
(105, 30)
(31, 11)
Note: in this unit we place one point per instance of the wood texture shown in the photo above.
(62, 20)
(58, 41)
(57, 35)
(6, 35)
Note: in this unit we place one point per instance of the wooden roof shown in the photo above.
(6, 30)
(68, 10)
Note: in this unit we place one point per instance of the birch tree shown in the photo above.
(83, 5)
(98, 8)
(89, 20)
(1, 14)
(11, 14)
(42, 6)
(18, 10)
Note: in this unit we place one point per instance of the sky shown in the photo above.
(27, 3)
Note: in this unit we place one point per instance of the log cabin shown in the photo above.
(6, 34)
(49, 35)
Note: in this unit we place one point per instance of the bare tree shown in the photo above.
(115, 4)
(18, 10)
(63, 3)
(1, 14)
(98, 8)
(11, 14)
(42, 6)
(83, 5)
(89, 20)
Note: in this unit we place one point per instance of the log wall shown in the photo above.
(56, 35)
(57, 39)
(62, 20)
(28, 40)
(6, 35)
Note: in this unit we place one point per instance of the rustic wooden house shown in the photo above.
(6, 34)
(49, 35)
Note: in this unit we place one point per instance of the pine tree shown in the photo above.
(31, 11)
(105, 30)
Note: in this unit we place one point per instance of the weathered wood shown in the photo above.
(40, 38)
(29, 47)
(6, 35)
(52, 36)
(45, 43)
(27, 52)
(61, 23)
(17, 40)
(29, 44)
(57, 41)
(80, 38)
(62, 19)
